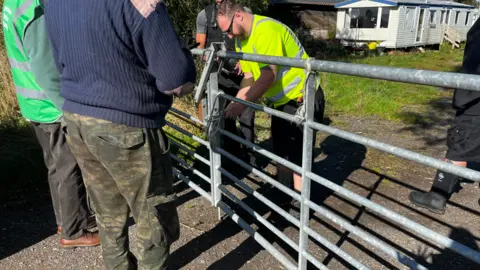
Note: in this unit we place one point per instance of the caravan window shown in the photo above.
(442, 17)
(432, 17)
(409, 18)
(385, 17)
(466, 19)
(367, 18)
(457, 13)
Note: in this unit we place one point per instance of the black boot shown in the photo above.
(434, 202)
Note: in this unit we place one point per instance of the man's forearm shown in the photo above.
(254, 92)
(201, 40)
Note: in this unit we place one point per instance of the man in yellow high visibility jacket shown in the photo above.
(281, 87)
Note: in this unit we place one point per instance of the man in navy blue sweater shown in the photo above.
(120, 63)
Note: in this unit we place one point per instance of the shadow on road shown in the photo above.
(26, 213)
(448, 259)
(430, 125)
(341, 159)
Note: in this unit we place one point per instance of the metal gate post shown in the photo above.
(308, 133)
(215, 122)
(210, 60)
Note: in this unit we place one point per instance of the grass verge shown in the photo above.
(348, 95)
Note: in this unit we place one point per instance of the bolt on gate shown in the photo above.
(213, 125)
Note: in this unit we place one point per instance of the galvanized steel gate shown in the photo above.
(213, 124)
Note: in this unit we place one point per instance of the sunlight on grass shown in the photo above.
(348, 95)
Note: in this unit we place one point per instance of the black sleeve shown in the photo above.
(466, 100)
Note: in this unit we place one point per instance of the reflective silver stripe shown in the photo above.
(264, 20)
(7, 10)
(19, 43)
(300, 53)
(285, 90)
(23, 66)
(31, 93)
(22, 9)
(286, 69)
(282, 72)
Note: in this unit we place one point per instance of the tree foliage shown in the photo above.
(184, 12)
(468, 2)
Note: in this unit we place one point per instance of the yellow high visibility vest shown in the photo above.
(273, 38)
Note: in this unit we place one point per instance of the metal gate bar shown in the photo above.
(260, 174)
(190, 168)
(214, 125)
(285, 238)
(273, 228)
(298, 169)
(445, 241)
(410, 224)
(372, 240)
(260, 218)
(184, 132)
(397, 151)
(261, 198)
(188, 116)
(191, 184)
(406, 75)
(190, 152)
(258, 237)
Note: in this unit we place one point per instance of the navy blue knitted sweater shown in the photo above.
(116, 57)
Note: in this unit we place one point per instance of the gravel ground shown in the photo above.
(27, 239)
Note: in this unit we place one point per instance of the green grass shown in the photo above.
(348, 95)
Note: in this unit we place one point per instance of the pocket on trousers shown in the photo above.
(124, 141)
(121, 150)
(164, 222)
(456, 137)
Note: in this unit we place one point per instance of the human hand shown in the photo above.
(238, 68)
(181, 90)
(234, 110)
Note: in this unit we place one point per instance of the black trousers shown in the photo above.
(65, 180)
(463, 141)
(287, 137)
(246, 119)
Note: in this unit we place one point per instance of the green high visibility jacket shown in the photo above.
(34, 73)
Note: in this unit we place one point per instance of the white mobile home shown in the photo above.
(402, 23)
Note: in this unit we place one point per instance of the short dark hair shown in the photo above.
(229, 7)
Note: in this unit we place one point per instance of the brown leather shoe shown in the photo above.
(89, 239)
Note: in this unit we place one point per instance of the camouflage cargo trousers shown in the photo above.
(127, 170)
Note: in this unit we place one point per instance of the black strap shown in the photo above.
(213, 19)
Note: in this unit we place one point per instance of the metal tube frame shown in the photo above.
(186, 115)
(214, 125)
(308, 141)
(215, 122)
(190, 168)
